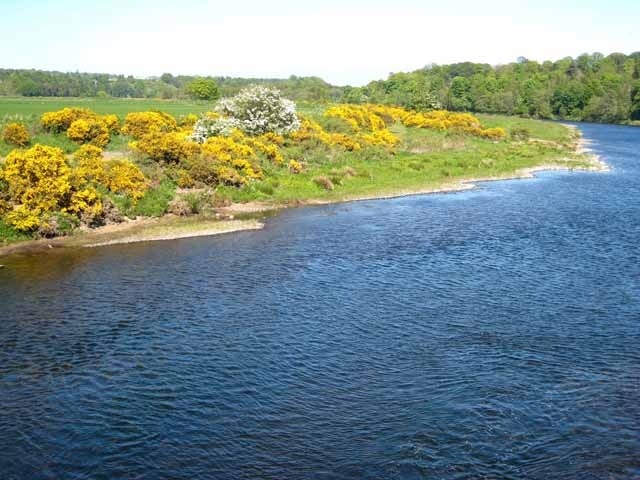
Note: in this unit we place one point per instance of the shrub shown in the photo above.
(197, 201)
(9, 234)
(16, 134)
(41, 183)
(203, 89)
(138, 124)
(181, 208)
(494, 133)
(224, 161)
(112, 122)
(39, 180)
(165, 147)
(324, 182)
(92, 131)
(188, 120)
(124, 177)
(380, 137)
(89, 164)
(520, 133)
(255, 110)
(61, 120)
(358, 117)
(295, 166)
(57, 224)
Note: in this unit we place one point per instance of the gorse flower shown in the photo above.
(16, 134)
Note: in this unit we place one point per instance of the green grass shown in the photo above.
(8, 234)
(29, 107)
(155, 201)
(426, 159)
(541, 129)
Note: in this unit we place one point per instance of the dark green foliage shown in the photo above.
(591, 87)
(38, 83)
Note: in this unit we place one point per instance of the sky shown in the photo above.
(342, 41)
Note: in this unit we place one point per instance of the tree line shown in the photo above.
(39, 83)
(591, 87)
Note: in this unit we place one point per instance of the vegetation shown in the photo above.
(590, 87)
(38, 83)
(203, 89)
(15, 134)
(279, 154)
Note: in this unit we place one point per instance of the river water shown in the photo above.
(493, 333)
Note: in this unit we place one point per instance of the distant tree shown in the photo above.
(203, 89)
(167, 78)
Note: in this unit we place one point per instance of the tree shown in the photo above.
(203, 89)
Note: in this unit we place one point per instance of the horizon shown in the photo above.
(177, 74)
(251, 40)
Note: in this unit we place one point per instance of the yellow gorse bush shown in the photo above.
(82, 125)
(232, 162)
(267, 144)
(112, 122)
(138, 124)
(90, 165)
(16, 134)
(123, 176)
(380, 137)
(358, 117)
(360, 137)
(93, 131)
(374, 118)
(188, 120)
(61, 120)
(40, 183)
(295, 166)
(165, 147)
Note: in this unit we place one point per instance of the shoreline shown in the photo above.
(173, 228)
(135, 231)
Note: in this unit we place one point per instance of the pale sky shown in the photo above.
(342, 41)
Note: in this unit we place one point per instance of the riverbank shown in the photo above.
(140, 230)
(315, 167)
(171, 227)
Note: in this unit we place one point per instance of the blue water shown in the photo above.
(486, 334)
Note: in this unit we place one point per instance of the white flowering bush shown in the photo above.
(255, 110)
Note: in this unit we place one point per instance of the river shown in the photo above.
(492, 333)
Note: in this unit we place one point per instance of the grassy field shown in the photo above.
(29, 107)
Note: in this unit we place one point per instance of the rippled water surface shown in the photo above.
(486, 334)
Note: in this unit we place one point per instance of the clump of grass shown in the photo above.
(8, 234)
(520, 133)
(197, 201)
(349, 172)
(156, 201)
(324, 182)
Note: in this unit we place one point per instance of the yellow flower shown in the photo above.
(92, 131)
(16, 134)
(122, 176)
(138, 124)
